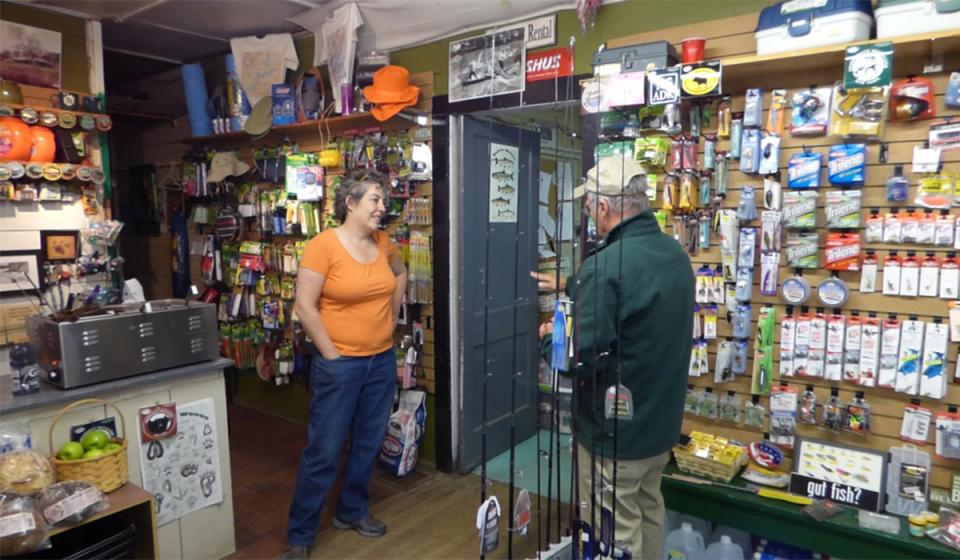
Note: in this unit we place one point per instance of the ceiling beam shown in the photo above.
(181, 31)
(138, 10)
(144, 55)
(304, 3)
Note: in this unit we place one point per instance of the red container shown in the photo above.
(692, 48)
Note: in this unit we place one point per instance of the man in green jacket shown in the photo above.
(634, 300)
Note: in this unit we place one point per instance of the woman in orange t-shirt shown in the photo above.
(349, 288)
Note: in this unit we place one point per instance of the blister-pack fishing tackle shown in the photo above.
(832, 411)
(748, 245)
(753, 108)
(723, 117)
(769, 273)
(772, 192)
(807, 412)
(754, 413)
(744, 285)
(859, 113)
(750, 150)
(722, 371)
(912, 99)
(847, 165)
(747, 207)
(952, 98)
(769, 155)
(709, 152)
(736, 135)
(739, 357)
(722, 172)
(778, 107)
(651, 151)
(811, 111)
(801, 248)
(803, 170)
(770, 222)
(730, 408)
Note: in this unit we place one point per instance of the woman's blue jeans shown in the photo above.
(349, 394)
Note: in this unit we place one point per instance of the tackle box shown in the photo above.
(634, 58)
(804, 24)
(908, 17)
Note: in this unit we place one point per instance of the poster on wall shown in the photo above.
(30, 55)
(847, 475)
(183, 471)
(19, 271)
(503, 183)
(491, 64)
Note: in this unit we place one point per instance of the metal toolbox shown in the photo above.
(124, 341)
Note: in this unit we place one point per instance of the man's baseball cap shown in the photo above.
(614, 173)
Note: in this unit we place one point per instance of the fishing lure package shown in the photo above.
(869, 352)
(889, 353)
(847, 165)
(748, 246)
(744, 287)
(709, 152)
(742, 317)
(651, 151)
(769, 155)
(801, 248)
(770, 231)
(836, 328)
(754, 413)
(817, 355)
(722, 371)
(783, 416)
(769, 273)
(750, 150)
(811, 111)
(763, 352)
(856, 415)
(800, 209)
(775, 117)
(859, 112)
(738, 363)
(842, 209)
(807, 412)
(747, 206)
(788, 329)
(933, 376)
(730, 408)
(723, 173)
(801, 344)
(851, 349)
(911, 351)
(736, 135)
(753, 108)
(772, 193)
(912, 99)
(803, 170)
(833, 411)
(729, 239)
(708, 404)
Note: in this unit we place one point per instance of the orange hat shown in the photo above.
(391, 84)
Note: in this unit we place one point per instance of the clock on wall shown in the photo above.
(868, 65)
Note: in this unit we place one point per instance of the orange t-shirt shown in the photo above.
(356, 303)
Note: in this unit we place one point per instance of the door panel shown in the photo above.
(510, 313)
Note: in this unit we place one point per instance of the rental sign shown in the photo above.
(547, 65)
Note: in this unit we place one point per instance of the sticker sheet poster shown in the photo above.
(183, 471)
(504, 165)
(847, 475)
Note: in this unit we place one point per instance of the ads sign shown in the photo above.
(542, 31)
(547, 65)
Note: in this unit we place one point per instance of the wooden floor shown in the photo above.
(429, 514)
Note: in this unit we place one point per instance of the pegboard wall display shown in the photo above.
(826, 265)
(246, 230)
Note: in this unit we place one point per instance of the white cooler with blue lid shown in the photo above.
(909, 17)
(805, 24)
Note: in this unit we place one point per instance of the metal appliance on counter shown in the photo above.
(123, 340)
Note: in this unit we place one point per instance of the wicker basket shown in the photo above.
(707, 468)
(107, 472)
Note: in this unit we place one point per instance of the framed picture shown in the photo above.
(848, 475)
(20, 271)
(486, 65)
(30, 55)
(60, 246)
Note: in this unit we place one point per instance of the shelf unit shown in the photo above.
(78, 114)
(359, 123)
(134, 504)
(907, 47)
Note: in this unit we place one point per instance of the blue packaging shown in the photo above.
(284, 104)
(953, 90)
(750, 151)
(753, 108)
(847, 165)
(803, 170)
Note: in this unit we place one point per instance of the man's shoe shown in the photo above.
(369, 526)
(294, 553)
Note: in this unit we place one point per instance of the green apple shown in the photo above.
(71, 451)
(94, 439)
(93, 453)
(111, 447)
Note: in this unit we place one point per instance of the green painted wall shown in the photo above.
(75, 67)
(613, 21)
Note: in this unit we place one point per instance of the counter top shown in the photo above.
(48, 395)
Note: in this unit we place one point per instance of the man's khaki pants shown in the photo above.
(640, 511)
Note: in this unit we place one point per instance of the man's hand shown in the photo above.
(548, 282)
(546, 328)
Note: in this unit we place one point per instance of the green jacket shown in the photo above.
(644, 324)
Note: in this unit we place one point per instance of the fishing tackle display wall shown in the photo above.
(256, 310)
(732, 41)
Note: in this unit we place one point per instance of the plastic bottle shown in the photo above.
(684, 544)
(724, 550)
(737, 536)
(698, 525)
(897, 185)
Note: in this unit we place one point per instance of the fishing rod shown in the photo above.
(517, 235)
